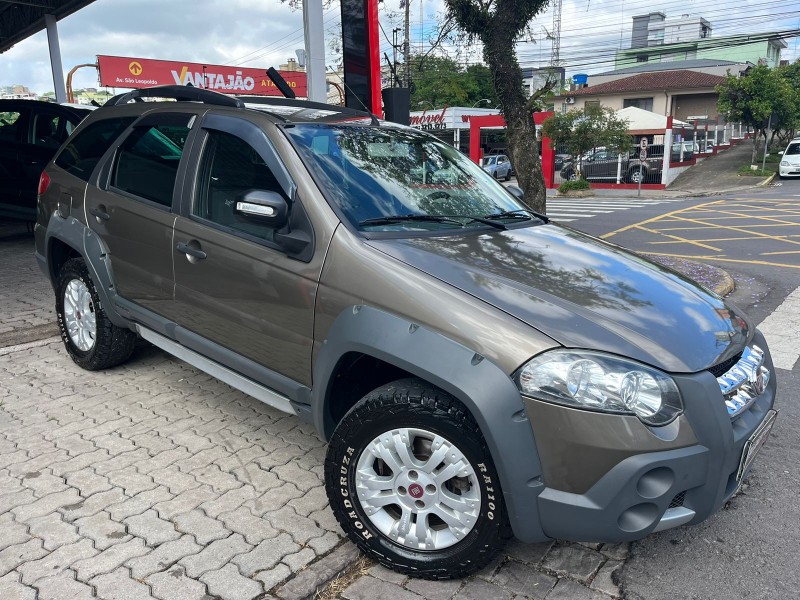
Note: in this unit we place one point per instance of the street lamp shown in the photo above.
(482, 100)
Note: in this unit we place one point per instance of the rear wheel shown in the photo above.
(90, 338)
(410, 479)
(634, 175)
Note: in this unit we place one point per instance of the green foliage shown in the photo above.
(578, 184)
(587, 128)
(752, 98)
(441, 81)
(746, 171)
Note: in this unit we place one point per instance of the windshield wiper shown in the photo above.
(399, 218)
(513, 214)
(434, 218)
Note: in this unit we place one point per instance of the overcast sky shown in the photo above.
(264, 33)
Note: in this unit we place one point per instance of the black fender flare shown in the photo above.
(488, 392)
(94, 252)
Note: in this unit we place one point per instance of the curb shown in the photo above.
(767, 181)
(710, 277)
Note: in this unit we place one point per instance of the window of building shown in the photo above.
(641, 58)
(643, 103)
(591, 104)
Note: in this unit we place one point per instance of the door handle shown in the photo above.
(190, 251)
(100, 213)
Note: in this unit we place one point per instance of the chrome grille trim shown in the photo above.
(745, 381)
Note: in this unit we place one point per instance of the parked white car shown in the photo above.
(790, 160)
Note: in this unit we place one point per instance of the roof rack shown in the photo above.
(180, 93)
(308, 104)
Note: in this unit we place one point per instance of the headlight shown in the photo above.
(784, 163)
(597, 381)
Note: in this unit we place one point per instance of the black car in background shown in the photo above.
(30, 133)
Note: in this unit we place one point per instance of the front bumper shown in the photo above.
(652, 491)
(790, 171)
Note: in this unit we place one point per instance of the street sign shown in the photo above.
(643, 155)
(643, 144)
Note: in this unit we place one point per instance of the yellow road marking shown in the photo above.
(741, 230)
(734, 239)
(654, 219)
(789, 223)
(682, 240)
(783, 252)
(709, 227)
(730, 260)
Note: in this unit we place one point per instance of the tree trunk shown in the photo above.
(523, 147)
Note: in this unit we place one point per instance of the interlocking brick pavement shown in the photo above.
(151, 480)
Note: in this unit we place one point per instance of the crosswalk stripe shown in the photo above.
(782, 330)
(562, 208)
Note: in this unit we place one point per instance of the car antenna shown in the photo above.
(280, 83)
(375, 120)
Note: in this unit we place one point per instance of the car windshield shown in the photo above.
(386, 179)
(793, 149)
(489, 160)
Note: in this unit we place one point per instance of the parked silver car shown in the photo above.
(498, 166)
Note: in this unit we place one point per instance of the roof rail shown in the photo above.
(181, 93)
(309, 104)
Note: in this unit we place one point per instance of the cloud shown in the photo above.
(261, 33)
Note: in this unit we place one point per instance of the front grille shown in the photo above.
(723, 367)
(677, 501)
(744, 381)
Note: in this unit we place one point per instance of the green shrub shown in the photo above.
(578, 184)
(746, 171)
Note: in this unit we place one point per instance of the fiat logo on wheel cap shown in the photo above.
(415, 490)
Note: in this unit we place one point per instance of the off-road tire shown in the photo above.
(413, 403)
(112, 345)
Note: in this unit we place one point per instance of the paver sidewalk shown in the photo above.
(153, 480)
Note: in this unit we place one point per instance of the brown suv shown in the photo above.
(477, 370)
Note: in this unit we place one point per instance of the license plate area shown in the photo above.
(753, 445)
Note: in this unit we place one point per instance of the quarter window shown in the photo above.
(82, 154)
(229, 169)
(147, 162)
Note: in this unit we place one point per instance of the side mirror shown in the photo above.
(261, 206)
(780, 153)
(515, 191)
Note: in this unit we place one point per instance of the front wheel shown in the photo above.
(410, 479)
(635, 175)
(90, 338)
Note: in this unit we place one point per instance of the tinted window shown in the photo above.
(9, 125)
(81, 155)
(46, 131)
(229, 169)
(147, 162)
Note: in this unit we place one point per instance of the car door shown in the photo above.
(234, 285)
(131, 208)
(13, 133)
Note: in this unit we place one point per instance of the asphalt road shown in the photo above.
(749, 549)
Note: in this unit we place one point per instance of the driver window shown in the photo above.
(229, 169)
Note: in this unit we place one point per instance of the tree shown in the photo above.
(587, 128)
(441, 81)
(755, 97)
(498, 24)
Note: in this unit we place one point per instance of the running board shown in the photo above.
(232, 378)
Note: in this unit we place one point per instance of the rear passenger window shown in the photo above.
(9, 125)
(86, 149)
(147, 162)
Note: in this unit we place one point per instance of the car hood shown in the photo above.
(584, 293)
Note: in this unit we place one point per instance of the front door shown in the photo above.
(13, 133)
(233, 284)
(133, 211)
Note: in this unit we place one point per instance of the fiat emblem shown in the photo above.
(415, 490)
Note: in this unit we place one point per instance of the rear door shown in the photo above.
(131, 208)
(234, 285)
(13, 133)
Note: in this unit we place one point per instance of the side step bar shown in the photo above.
(232, 378)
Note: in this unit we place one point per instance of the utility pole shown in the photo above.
(554, 59)
(406, 43)
(394, 50)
